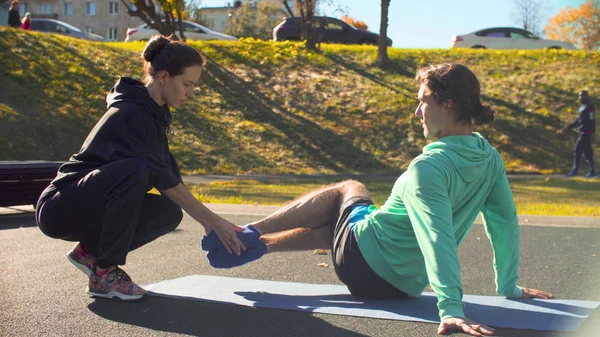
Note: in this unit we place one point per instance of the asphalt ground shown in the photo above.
(42, 294)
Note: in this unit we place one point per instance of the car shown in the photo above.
(507, 38)
(329, 30)
(191, 30)
(62, 28)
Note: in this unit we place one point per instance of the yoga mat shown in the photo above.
(495, 311)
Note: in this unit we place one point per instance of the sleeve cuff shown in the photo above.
(516, 292)
(452, 310)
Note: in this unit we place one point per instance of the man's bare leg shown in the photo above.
(306, 222)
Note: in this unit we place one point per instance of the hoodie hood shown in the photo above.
(469, 155)
(133, 91)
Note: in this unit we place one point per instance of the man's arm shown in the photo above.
(429, 209)
(502, 227)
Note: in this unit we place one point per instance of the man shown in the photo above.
(586, 125)
(412, 241)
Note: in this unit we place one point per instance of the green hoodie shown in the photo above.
(412, 240)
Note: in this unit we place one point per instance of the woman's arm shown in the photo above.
(225, 230)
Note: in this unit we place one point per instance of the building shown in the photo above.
(217, 18)
(107, 18)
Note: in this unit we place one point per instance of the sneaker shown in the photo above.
(571, 174)
(82, 260)
(114, 283)
(591, 174)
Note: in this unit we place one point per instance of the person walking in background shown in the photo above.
(586, 125)
(26, 24)
(14, 19)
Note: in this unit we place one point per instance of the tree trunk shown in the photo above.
(382, 56)
(311, 39)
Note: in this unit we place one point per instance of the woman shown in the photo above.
(411, 242)
(26, 24)
(99, 198)
(14, 19)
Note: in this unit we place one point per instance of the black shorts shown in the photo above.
(349, 264)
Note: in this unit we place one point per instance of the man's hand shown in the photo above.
(561, 131)
(465, 325)
(533, 293)
(226, 232)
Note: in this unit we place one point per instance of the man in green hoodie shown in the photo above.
(412, 241)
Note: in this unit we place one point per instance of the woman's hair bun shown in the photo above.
(486, 115)
(154, 46)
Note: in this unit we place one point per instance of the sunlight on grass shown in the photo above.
(564, 197)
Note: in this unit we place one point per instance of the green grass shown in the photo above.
(565, 197)
(267, 107)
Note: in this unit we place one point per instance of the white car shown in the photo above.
(191, 30)
(507, 38)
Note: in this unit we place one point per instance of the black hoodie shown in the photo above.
(134, 126)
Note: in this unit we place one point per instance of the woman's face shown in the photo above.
(177, 89)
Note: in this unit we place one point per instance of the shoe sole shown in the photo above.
(80, 266)
(112, 295)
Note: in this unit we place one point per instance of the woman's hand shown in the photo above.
(465, 325)
(226, 232)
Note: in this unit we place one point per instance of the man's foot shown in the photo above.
(571, 174)
(81, 259)
(220, 258)
(114, 283)
(247, 234)
(591, 174)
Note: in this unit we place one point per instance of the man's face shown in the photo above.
(583, 97)
(432, 115)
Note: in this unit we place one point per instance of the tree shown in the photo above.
(257, 22)
(529, 14)
(268, 15)
(162, 15)
(243, 21)
(306, 9)
(579, 26)
(353, 22)
(382, 55)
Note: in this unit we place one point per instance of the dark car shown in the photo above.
(63, 28)
(328, 30)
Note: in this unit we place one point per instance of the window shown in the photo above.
(89, 30)
(68, 9)
(112, 34)
(190, 28)
(495, 34)
(334, 26)
(211, 23)
(113, 8)
(514, 35)
(90, 8)
(45, 8)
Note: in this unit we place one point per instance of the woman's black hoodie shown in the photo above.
(134, 126)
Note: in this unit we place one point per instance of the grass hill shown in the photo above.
(266, 107)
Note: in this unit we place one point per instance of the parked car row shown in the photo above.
(328, 30)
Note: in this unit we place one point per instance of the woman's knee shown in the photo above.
(139, 170)
(173, 217)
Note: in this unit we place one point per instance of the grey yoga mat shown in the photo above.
(499, 312)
